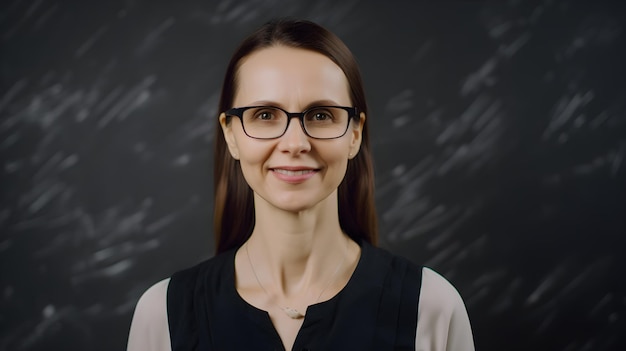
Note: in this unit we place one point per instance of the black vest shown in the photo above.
(376, 310)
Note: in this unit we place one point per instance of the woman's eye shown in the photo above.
(265, 115)
(320, 116)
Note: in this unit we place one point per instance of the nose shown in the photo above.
(294, 141)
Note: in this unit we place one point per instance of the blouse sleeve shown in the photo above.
(442, 322)
(149, 330)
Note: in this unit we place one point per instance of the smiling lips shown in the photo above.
(294, 175)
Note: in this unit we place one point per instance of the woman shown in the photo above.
(295, 222)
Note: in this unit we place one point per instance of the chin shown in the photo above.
(296, 202)
(293, 206)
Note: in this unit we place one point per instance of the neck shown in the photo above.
(297, 250)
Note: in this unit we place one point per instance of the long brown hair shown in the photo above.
(233, 220)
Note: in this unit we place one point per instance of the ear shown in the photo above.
(227, 129)
(356, 136)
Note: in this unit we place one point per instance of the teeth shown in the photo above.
(293, 173)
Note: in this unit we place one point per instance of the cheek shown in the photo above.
(336, 159)
(252, 158)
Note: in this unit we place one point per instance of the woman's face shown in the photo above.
(293, 172)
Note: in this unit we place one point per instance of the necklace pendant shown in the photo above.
(293, 313)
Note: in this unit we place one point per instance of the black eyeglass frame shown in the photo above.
(353, 113)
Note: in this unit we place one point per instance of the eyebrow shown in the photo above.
(307, 106)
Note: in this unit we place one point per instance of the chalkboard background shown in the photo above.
(499, 135)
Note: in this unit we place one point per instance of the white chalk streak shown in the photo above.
(89, 42)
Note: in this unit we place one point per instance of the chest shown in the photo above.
(376, 311)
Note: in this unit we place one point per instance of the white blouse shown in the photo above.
(443, 324)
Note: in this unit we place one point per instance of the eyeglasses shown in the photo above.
(269, 122)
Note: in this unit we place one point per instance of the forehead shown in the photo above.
(290, 77)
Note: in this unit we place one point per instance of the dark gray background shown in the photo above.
(498, 129)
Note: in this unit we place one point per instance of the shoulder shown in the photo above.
(154, 296)
(149, 329)
(442, 320)
(438, 294)
(443, 323)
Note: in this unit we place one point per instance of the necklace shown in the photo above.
(290, 311)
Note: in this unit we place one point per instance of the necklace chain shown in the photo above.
(290, 311)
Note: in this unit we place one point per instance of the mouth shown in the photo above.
(292, 173)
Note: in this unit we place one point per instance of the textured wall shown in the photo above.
(499, 133)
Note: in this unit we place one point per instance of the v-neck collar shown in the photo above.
(315, 313)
